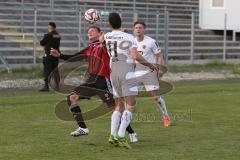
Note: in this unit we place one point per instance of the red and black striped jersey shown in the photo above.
(98, 59)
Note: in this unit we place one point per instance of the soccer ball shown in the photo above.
(92, 16)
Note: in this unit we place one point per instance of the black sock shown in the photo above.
(77, 115)
(129, 129)
(46, 83)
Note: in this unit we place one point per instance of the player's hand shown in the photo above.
(101, 37)
(160, 73)
(153, 67)
(54, 53)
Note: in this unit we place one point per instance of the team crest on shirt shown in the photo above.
(144, 46)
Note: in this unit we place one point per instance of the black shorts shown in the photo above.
(96, 86)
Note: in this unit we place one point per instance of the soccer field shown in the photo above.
(205, 125)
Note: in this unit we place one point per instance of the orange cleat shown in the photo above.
(167, 122)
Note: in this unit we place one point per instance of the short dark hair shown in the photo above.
(140, 22)
(115, 20)
(52, 24)
(94, 27)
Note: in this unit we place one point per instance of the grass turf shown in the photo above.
(206, 126)
(37, 71)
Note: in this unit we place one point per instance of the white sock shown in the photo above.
(162, 106)
(115, 122)
(125, 121)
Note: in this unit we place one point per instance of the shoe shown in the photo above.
(133, 137)
(167, 122)
(111, 140)
(80, 132)
(44, 89)
(122, 142)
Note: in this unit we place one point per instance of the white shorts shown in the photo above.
(123, 80)
(147, 79)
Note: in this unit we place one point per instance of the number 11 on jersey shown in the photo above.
(112, 48)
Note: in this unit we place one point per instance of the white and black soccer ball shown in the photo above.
(92, 16)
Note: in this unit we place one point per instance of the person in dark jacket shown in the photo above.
(51, 40)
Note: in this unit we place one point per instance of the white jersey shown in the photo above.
(118, 45)
(148, 48)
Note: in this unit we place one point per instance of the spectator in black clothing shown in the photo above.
(51, 40)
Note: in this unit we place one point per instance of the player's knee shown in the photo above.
(119, 108)
(131, 103)
(130, 108)
(72, 99)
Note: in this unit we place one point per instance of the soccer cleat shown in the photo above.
(167, 122)
(122, 142)
(80, 132)
(111, 140)
(133, 137)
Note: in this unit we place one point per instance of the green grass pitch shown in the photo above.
(206, 127)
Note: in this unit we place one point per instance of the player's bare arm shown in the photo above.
(138, 57)
(160, 62)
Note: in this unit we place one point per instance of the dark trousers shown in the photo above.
(50, 66)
